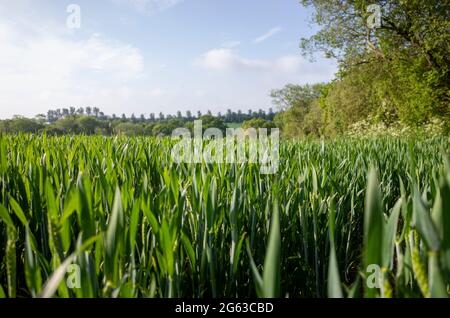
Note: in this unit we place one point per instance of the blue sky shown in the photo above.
(151, 56)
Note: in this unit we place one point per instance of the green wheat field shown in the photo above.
(342, 218)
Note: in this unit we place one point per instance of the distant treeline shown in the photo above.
(228, 117)
(90, 121)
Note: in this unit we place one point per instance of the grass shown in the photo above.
(139, 225)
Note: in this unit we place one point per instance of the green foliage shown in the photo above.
(65, 122)
(166, 128)
(397, 73)
(88, 125)
(129, 129)
(20, 124)
(258, 123)
(302, 115)
(209, 121)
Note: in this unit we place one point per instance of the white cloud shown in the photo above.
(288, 64)
(41, 70)
(150, 6)
(268, 35)
(225, 59)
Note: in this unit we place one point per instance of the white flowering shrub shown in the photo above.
(370, 128)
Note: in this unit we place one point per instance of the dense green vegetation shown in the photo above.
(393, 75)
(72, 121)
(139, 225)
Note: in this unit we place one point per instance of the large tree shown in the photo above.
(300, 114)
(409, 48)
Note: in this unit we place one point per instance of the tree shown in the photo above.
(148, 129)
(209, 121)
(21, 124)
(87, 125)
(65, 112)
(40, 118)
(294, 96)
(51, 116)
(96, 111)
(88, 111)
(166, 128)
(270, 115)
(410, 48)
(234, 117)
(298, 102)
(67, 125)
(257, 123)
(228, 116)
(129, 129)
